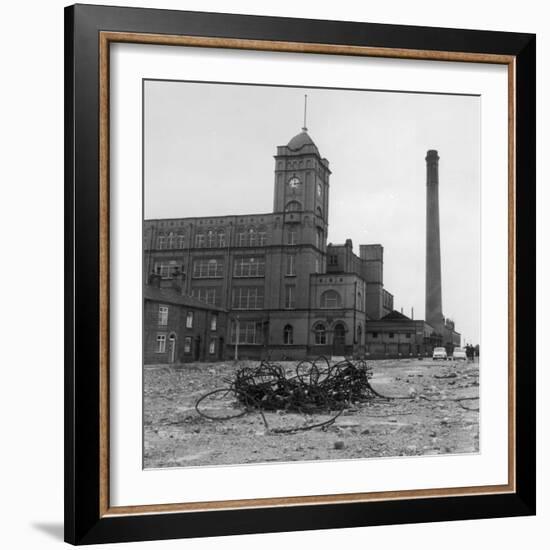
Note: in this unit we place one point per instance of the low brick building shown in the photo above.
(396, 335)
(180, 328)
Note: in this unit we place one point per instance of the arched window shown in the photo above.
(221, 239)
(181, 241)
(261, 236)
(241, 238)
(359, 302)
(330, 299)
(319, 212)
(171, 240)
(320, 334)
(199, 240)
(288, 335)
(293, 206)
(210, 239)
(252, 237)
(320, 238)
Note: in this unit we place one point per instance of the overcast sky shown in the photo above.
(209, 151)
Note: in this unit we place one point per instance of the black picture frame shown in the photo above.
(84, 522)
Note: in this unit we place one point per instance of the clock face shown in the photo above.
(319, 190)
(293, 182)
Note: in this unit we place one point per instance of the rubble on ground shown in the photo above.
(435, 412)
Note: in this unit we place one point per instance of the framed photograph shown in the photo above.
(300, 274)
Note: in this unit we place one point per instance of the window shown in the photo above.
(252, 240)
(288, 335)
(293, 206)
(248, 298)
(161, 242)
(175, 241)
(291, 265)
(221, 239)
(391, 334)
(189, 320)
(330, 299)
(375, 334)
(408, 335)
(170, 241)
(320, 239)
(161, 343)
(291, 237)
(320, 334)
(359, 334)
(199, 240)
(241, 238)
(168, 269)
(212, 346)
(333, 259)
(317, 265)
(207, 295)
(163, 315)
(290, 297)
(250, 332)
(213, 322)
(207, 268)
(249, 267)
(210, 239)
(359, 302)
(187, 345)
(261, 237)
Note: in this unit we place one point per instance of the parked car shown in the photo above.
(439, 353)
(459, 354)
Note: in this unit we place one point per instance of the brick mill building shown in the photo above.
(285, 291)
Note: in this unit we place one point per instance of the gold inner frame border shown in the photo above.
(105, 39)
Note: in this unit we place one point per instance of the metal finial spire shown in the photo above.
(304, 128)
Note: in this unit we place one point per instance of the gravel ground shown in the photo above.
(440, 417)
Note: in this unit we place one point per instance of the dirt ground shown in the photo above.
(439, 416)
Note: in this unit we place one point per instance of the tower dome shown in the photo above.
(300, 140)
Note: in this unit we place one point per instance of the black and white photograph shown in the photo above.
(311, 273)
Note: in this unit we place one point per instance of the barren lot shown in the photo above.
(438, 416)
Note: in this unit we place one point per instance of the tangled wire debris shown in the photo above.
(313, 387)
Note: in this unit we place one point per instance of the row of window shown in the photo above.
(163, 312)
(211, 268)
(390, 334)
(212, 239)
(253, 298)
(187, 344)
(251, 332)
(250, 237)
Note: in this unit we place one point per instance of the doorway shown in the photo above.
(172, 348)
(339, 340)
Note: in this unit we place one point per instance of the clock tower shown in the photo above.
(301, 177)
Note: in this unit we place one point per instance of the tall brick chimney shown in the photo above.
(434, 308)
